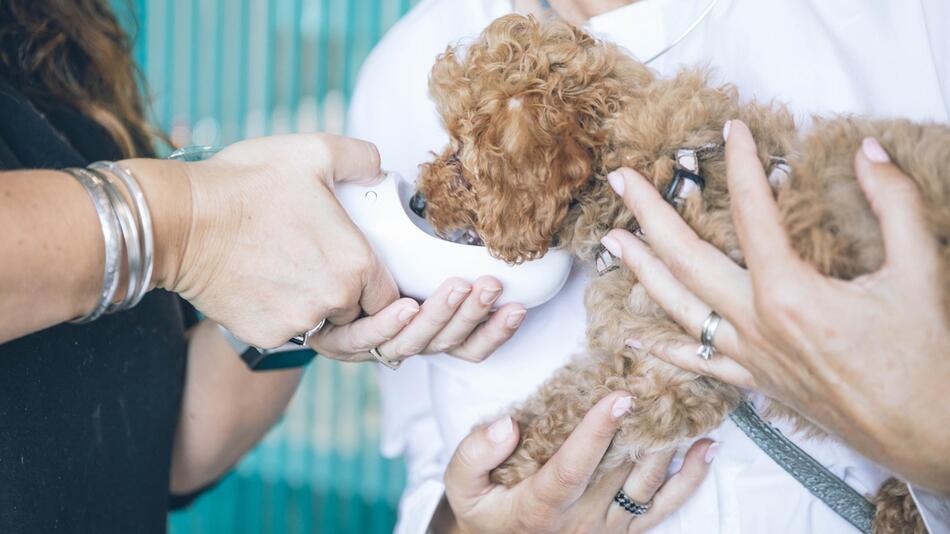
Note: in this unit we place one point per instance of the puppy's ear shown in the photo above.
(450, 201)
(450, 88)
(530, 169)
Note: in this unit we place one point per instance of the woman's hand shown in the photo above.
(258, 242)
(557, 498)
(457, 320)
(867, 358)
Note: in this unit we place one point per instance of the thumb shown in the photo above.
(466, 477)
(897, 203)
(379, 289)
(351, 160)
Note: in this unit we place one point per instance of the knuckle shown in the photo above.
(704, 367)
(362, 259)
(683, 265)
(408, 348)
(464, 457)
(535, 517)
(337, 299)
(442, 346)
(902, 188)
(466, 355)
(454, 282)
(604, 430)
(374, 158)
(568, 476)
(318, 148)
(683, 312)
(780, 302)
(650, 481)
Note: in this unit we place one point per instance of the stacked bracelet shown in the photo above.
(143, 228)
(126, 227)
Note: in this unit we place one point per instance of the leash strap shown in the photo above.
(817, 479)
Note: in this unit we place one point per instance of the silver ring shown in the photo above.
(302, 339)
(392, 364)
(707, 350)
(631, 505)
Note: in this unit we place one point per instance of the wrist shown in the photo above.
(168, 193)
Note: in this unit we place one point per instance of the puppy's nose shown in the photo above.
(418, 204)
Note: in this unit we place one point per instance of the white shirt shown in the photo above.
(881, 58)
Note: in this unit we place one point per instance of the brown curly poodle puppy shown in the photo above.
(539, 112)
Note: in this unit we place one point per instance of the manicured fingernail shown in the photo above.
(408, 313)
(615, 179)
(874, 151)
(612, 246)
(457, 294)
(725, 130)
(634, 344)
(621, 407)
(500, 430)
(489, 295)
(711, 452)
(515, 318)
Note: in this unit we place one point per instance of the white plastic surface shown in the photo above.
(420, 261)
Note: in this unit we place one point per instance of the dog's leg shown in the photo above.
(551, 414)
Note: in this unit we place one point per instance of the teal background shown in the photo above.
(221, 70)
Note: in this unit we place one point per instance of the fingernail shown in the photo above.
(711, 452)
(500, 430)
(634, 344)
(615, 179)
(515, 318)
(725, 130)
(612, 246)
(407, 313)
(621, 406)
(489, 295)
(874, 151)
(458, 294)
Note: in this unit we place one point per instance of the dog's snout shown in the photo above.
(418, 204)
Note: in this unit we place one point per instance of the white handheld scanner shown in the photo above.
(420, 261)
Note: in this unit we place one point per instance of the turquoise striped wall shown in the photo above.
(222, 70)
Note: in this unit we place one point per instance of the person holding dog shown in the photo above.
(443, 434)
(113, 395)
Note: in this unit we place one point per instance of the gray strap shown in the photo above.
(821, 482)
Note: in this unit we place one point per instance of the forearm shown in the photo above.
(226, 409)
(52, 251)
(52, 247)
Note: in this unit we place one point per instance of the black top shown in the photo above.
(87, 412)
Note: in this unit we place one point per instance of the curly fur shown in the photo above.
(539, 112)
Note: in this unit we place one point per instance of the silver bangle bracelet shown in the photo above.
(110, 236)
(144, 218)
(130, 234)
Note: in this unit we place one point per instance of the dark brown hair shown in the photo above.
(75, 53)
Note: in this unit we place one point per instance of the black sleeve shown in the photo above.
(180, 501)
(190, 316)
